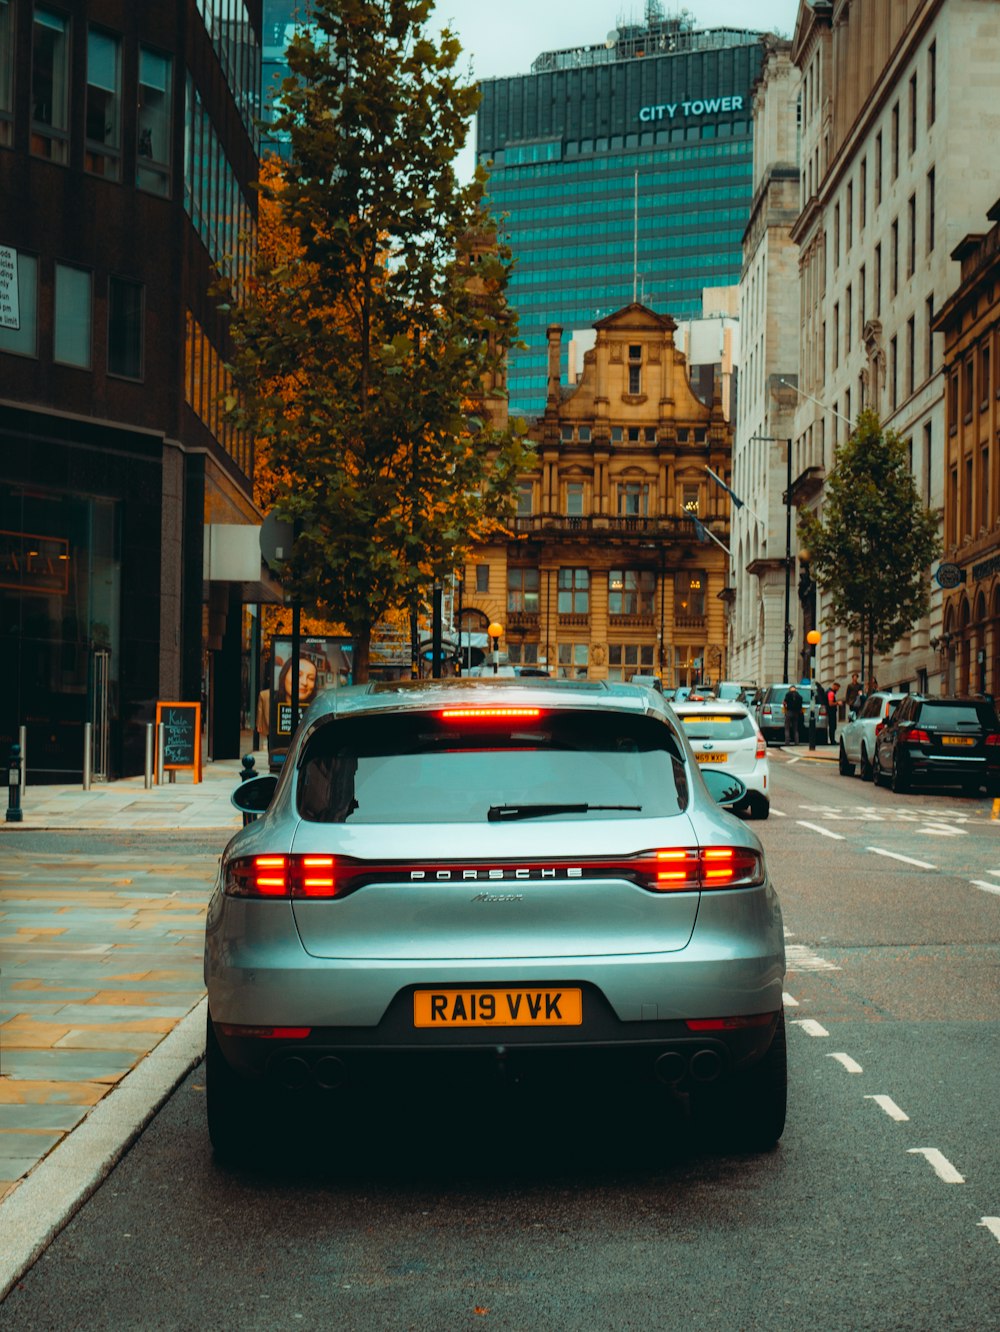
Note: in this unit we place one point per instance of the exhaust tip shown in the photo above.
(330, 1073)
(293, 1072)
(670, 1067)
(706, 1065)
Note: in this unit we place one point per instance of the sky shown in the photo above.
(502, 37)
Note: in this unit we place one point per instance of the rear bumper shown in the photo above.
(946, 768)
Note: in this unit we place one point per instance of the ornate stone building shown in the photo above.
(616, 560)
(969, 644)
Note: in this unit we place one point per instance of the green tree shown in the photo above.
(871, 549)
(363, 346)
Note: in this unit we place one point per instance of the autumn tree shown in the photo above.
(361, 357)
(870, 551)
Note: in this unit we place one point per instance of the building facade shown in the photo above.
(623, 172)
(127, 156)
(616, 561)
(970, 323)
(764, 628)
(898, 129)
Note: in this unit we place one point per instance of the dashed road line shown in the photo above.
(894, 855)
(992, 1224)
(986, 887)
(850, 1064)
(810, 1026)
(939, 1163)
(890, 1107)
(801, 958)
(815, 827)
(789, 1001)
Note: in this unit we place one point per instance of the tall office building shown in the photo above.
(624, 172)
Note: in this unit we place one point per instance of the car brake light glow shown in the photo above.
(761, 747)
(281, 876)
(994, 738)
(879, 728)
(729, 1023)
(465, 714)
(917, 737)
(264, 1033)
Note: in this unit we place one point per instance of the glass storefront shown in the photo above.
(60, 627)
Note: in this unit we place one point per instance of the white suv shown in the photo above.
(858, 736)
(725, 733)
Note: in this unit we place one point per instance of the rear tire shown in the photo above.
(746, 1112)
(236, 1108)
(876, 770)
(846, 768)
(900, 781)
(758, 805)
(865, 767)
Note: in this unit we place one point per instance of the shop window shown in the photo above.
(572, 660)
(50, 85)
(153, 127)
(625, 659)
(73, 316)
(23, 341)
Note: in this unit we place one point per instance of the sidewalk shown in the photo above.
(100, 962)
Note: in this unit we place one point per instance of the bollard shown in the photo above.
(148, 776)
(87, 733)
(14, 812)
(812, 726)
(159, 753)
(248, 772)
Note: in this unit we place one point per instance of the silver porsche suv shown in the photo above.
(518, 879)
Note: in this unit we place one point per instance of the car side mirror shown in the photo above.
(725, 789)
(254, 796)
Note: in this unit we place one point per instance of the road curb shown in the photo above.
(38, 1209)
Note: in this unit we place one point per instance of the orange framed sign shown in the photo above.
(181, 737)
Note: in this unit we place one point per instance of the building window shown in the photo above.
(894, 258)
(893, 375)
(104, 99)
(617, 434)
(928, 443)
(911, 249)
(522, 654)
(970, 393)
(23, 341)
(125, 319)
(152, 170)
(625, 659)
(631, 591)
(572, 660)
(848, 333)
(862, 194)
(836, 235)
(862, 300)
(877, 292)
(574, 592)
(953, 404)
(574, 499)
(6, 73)
(930, 336)
(836, 335)
(912, 108)
(482, 577)
(984, 487)
(984, 376)
(690, 497)
(911, 353)
(967, 497)
(73, 313)
(522, 590)
(583, 434)
(894, 143)
(690, 592)
(930, 210)
(635, 368)
(566, 434)
(50, 85)
(849, 218)
(525, 496)
(633, 499)
(932, 83)
(878, 168)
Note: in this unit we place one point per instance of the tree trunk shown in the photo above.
(361, 654)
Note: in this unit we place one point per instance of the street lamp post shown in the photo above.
(779, 439)
(813, 638)
(495, 631)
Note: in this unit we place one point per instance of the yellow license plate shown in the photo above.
(957, 740)
(498, 1008)
(711, 758)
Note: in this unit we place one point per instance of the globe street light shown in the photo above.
(813, 638)
(495, 632)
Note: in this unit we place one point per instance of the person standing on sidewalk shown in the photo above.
(851, 694)
(831, 711)
(792, 708)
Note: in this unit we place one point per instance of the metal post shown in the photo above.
(812, 700)
(14, 812)
(788, 555)
(148, 774)
(436, 631)
(22, 740)
(159, 753)
(88, 733)
(247, 773)
(296, 659)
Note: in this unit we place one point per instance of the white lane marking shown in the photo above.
(894, 855)
(890, 1107)
(939, 830)
(992, 1224)
(940, 1164)
(780, 813)
(993, 871)
(801, 958)
(810, 1026)
(789, 1001)
(851, 1065)
(791, 761)
(814, 827)
(986, 887)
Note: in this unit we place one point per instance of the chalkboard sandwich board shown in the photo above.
(181, 737)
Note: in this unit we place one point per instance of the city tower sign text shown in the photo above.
(703, 107)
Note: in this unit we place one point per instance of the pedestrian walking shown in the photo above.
(851, 694)
(831, 711)
(792, 709)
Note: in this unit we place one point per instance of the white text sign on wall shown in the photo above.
(10, 315)
(704, 106)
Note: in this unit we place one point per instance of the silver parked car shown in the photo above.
(859, 733)
(535, 876)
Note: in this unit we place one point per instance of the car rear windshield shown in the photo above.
(424, 767)
(717, 726)
(945, 715)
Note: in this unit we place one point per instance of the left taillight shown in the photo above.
(283, 876)
(761, 747)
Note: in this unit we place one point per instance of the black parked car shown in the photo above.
(943, 741)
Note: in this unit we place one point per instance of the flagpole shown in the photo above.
(740, 504)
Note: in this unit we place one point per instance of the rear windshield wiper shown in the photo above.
(499, 812)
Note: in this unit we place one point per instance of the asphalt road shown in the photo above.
(880, 1209)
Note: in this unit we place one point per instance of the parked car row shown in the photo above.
(769, 709)
(905, 739)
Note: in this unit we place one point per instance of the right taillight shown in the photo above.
(918, 737)
(683, 869)
(761, 747)
(994, 738)
(879, 728)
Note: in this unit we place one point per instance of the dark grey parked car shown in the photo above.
(532, 877)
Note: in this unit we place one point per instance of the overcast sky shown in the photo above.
(501, 37)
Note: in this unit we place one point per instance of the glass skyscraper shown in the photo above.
(620, 171)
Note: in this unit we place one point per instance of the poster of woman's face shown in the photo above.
(324, 663)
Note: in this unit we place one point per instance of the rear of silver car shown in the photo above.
(526, 879)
